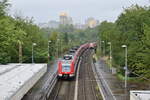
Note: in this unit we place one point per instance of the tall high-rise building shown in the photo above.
(70, 21)
(65, 19)
(91, 22)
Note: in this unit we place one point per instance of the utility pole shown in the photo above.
(20, 51)
(126, 66)
(58, 47)
(103, 47)
(110, 55)
(33, 44)
(48, 50)
(100, 45)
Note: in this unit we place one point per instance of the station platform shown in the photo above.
(40, 88)
(113, 86)
(17, 79)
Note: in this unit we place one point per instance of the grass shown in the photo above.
(130, 79)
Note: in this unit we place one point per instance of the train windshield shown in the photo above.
(66, 68)
(68, 57)
(72, 51)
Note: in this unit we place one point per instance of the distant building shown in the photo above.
(80, 26)
(70, 21)
(91, 22)
(53, 24)
(50, 24)
(43, 25)
(65, 19)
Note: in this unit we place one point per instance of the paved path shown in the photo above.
(112, 88)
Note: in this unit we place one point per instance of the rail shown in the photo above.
(104, 88)
(50, 85)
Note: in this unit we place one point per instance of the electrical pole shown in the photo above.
(126, 67)
(20, 51)
(48, 50)
(33, 44)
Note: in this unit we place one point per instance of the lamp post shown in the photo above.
(69, 43)
(104, 47)
(99, 44)
(58, 47)
(33, 44)
(126, 66)
(110, 54)
(48, 50)
(20, 51)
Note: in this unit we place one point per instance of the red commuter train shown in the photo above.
(68, 66)
(92, 45)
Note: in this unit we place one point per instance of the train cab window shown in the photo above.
(68, 57)
(72, 51)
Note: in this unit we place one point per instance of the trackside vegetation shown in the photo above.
(132, 28)
(17, 34)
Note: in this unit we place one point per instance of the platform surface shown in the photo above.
(14, 76)
(139, 95)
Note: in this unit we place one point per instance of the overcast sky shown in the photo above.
(79, 10)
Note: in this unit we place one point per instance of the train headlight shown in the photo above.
(59, 74)
(71, 75)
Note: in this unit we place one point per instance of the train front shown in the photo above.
(66, 69)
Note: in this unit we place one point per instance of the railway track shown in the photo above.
(87, 85)
(64, 90)
(94, 87)
(88, 89)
